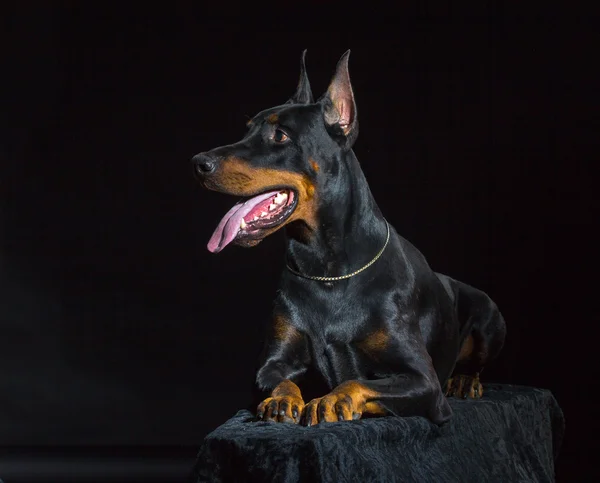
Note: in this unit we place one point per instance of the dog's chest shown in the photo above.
(336, 331)
(334, 320)
(337, 326)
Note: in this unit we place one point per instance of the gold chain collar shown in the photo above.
(343, 277)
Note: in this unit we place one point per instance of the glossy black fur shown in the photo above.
(425, 316)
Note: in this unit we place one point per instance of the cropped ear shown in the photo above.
(340, 107)
(303, 93)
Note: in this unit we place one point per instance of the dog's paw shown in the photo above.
(281, 409)
(464, 387)
(333, 407)
(350, 400)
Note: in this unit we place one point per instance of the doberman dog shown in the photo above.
(359, 314)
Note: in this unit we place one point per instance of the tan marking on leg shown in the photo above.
(283, 330)
(466, 349)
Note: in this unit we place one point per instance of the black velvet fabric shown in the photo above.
(512, 434)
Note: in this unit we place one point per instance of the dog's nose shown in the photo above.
(203, 164)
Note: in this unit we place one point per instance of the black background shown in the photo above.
(119, 327)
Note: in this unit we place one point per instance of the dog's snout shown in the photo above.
(204, 164)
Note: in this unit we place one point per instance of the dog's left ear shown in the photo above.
(303, 93)
(340, 106)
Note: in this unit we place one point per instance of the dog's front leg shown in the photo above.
(407, 395)
(413, 391)
(287, 359)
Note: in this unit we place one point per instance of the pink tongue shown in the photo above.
(229, 226)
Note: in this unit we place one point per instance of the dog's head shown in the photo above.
(288, 152)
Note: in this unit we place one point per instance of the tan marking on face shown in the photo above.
(249, 123)
(314, 165)
(238, 177)
(310, 189)
(273, 119)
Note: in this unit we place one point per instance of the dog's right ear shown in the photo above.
(340, 106)
(303, 93)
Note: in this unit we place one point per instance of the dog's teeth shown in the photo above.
(255, 218)
(264, 213)
(272, 206)
(280, 198)
(242, 224)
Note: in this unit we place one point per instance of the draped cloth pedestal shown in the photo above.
(512, 434)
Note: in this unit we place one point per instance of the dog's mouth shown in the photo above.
(249, 219)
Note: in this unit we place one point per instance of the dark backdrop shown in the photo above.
(119, 327)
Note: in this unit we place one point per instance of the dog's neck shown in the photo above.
(350, 228)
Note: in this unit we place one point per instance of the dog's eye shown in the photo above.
(279, 136)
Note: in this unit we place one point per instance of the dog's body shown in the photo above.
(377, 329)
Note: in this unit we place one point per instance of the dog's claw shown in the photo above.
(464, 387)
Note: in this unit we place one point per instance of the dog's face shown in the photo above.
(288, 151)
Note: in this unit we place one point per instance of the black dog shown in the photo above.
(359, 311)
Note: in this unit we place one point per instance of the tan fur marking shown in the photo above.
(283, 330)
(361, 396)
(287, 401)
(349, 400)
(273, 119)
(237, 177)
(466, 349)
(374, 407)
(376, 341)
(287, 388)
